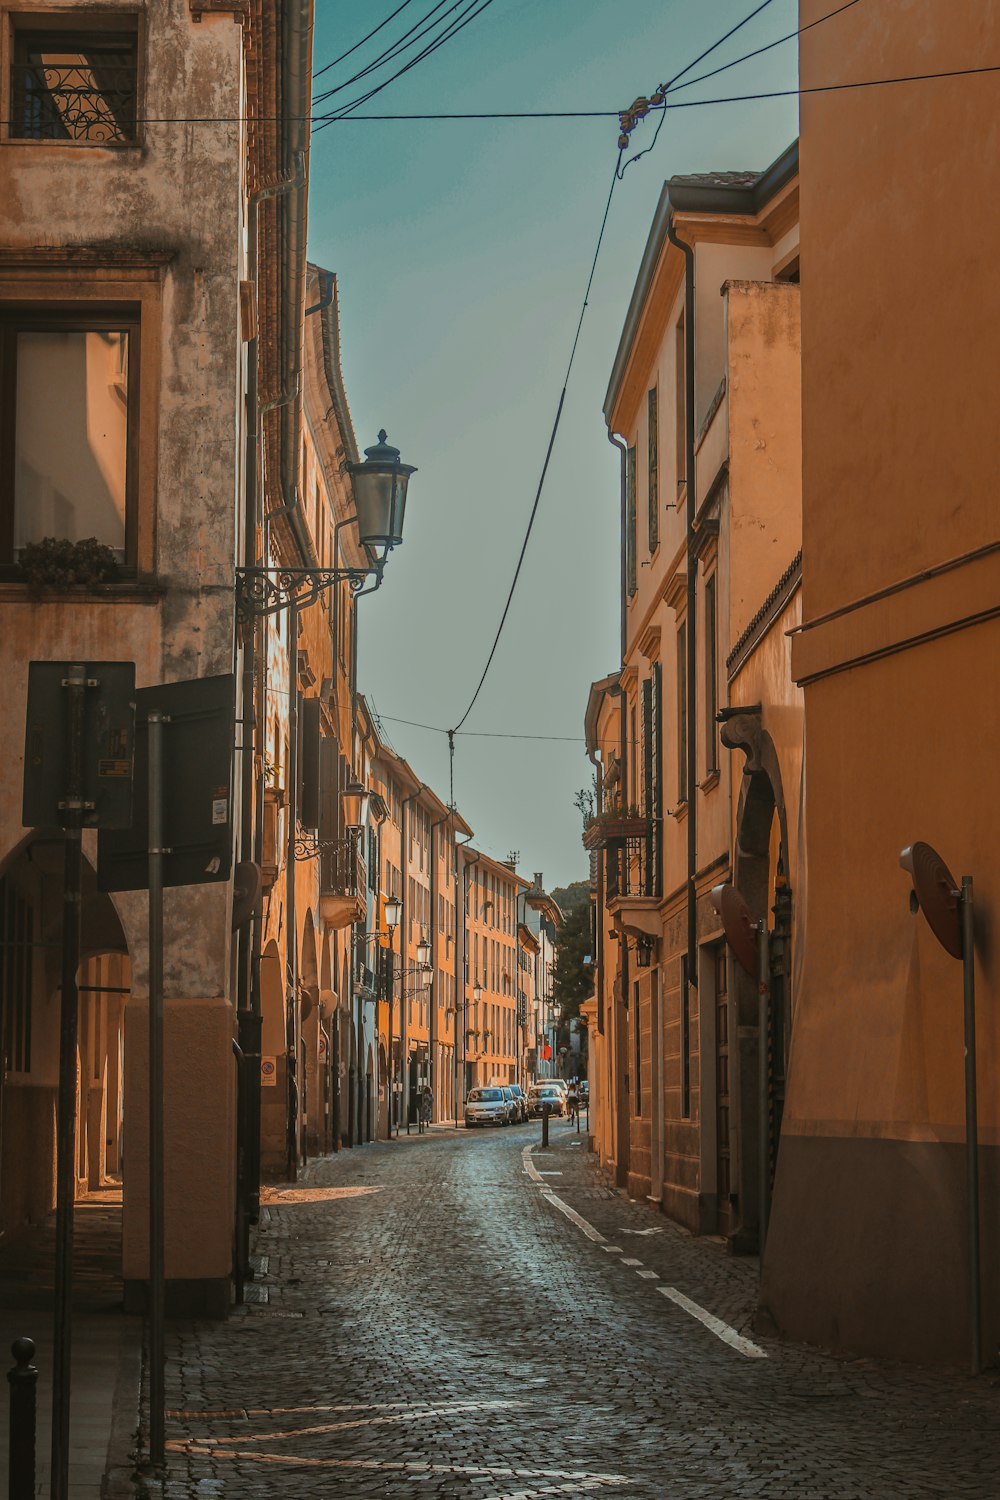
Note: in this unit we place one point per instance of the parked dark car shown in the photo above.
(550, 1093)
(513, 1108)
(521, 1100)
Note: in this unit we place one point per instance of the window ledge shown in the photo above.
(679, 812)
(102, 593)
(710, 781)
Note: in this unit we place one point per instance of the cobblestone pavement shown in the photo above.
(444, 1320)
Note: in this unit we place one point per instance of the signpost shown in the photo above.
(77, 774)
(181, 834)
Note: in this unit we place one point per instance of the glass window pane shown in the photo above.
(71, 436)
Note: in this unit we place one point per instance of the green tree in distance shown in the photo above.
(572, 979)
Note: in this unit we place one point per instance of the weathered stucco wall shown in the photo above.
(157, 223)
(867, 1242)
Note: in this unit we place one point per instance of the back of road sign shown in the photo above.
(106, 748)
(198, 738)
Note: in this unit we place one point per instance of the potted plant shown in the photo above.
(58, 563)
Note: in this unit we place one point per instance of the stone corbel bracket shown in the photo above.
(742, 730)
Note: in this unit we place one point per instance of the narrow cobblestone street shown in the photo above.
(462, 1315)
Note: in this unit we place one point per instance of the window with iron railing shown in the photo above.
(78, 86)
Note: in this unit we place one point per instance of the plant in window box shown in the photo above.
(58, 563)
(614, 824)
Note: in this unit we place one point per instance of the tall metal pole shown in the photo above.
(155, 723)
(390, 1080)
(971, 1123)
(76, 686)
(293, 1092)
(763, 1029)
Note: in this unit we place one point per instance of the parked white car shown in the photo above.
(487, 1106)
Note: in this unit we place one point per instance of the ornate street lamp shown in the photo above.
(424, 952)
(355, 799)
(380, 485)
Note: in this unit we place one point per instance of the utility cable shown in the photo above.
(556, 114)
(548, 454)
(660, 93)
(471, 13)
(417, 31)
(789, 36)
(327, 66)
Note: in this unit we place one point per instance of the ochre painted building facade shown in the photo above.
(901, 581)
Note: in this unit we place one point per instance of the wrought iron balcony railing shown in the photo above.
(90, 99)
(342, 869)
(632, 868)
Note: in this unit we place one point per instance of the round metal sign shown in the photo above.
(937, 892)
(741, 935)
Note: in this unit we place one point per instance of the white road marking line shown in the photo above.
(654, 1229)
(571, 1213)
(714, 1325)
(574, 1488)
(410, 1466)
(613, 1249)
(550, 1174)
(650, 1275)
(529, 1165)
(411, 1414)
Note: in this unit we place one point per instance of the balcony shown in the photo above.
(633, 884)
(343, 887)
(613, 826)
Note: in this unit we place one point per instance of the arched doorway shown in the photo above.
(761, 875)
(31, 917)
(309, 1032)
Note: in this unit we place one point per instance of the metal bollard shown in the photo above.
(545, 1126)
(23, 1389)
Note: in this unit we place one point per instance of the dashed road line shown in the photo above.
(708, 1320)
(714, 1325)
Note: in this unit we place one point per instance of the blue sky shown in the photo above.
(462, 250)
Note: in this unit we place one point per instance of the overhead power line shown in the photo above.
(548, 455)
(560, 114)
(418, 30)
(327, 66)
(473, 10)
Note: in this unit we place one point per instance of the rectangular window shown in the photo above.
(69, 405)
(711, 679)
(69, 85)
(680, 401)
(685, 1004)
(652, 471)
(17, 937)
(630, 523)
(682, 765)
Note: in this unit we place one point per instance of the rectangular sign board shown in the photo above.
(198, 740)
(107, 744)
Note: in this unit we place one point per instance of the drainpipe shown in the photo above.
(622, 446)
(404, 1096)
(291, 931)
(460, 961)
(599, 898)
(466, 867)
(296, 80)
(692, 576)
(433, 996)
